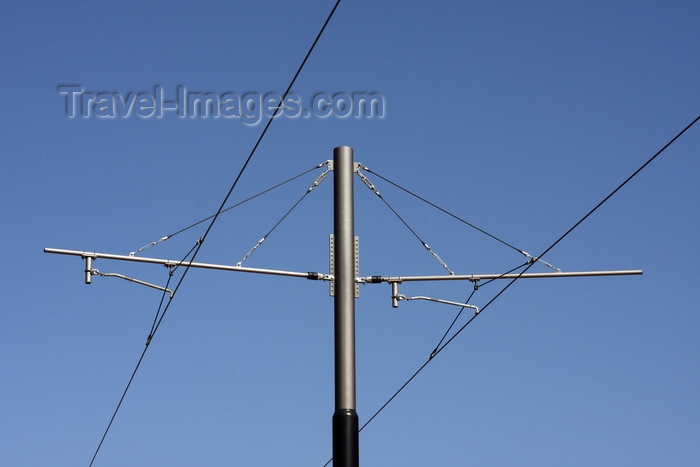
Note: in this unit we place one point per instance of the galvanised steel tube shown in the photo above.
(89, 256)
(345, 420)
(476, 277)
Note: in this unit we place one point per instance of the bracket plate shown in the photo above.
(331, 251)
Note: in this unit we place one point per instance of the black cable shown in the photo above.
(476, 287)
(508, 272)
(440, 349)
(143, 354)
(437, 349)
(430, 359)
(215, 217)
(162, 300)
(432, 354)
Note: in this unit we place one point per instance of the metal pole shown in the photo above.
(345, 421)
(476, 277)
(89, 256)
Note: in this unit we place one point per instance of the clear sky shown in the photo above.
(516, 116)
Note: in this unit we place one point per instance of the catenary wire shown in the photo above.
(171, 271)
(213, 221)
(571, 229)
(477, 286)
(459, 313)
(156, 321)
(432, 354)
(508, 272)
(160, 305)
(437, 350)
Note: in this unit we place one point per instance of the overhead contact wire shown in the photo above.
(213, 220)
(477, 286)
(441, 348)
(459, 313)
(154, 327)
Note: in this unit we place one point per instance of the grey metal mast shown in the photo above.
(344, 277)
(345, 421)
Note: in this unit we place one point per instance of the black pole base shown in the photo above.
(345, 438)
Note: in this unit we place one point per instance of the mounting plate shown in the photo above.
(331, 256)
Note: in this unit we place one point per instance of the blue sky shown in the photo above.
(517, 116)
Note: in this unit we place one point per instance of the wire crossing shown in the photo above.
(477, 286)
(154, 327)
(442, 347)
(214, 218)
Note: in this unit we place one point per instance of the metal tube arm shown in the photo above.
(121, 276)
(438, 300)
(476, 277)
(169, 262)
